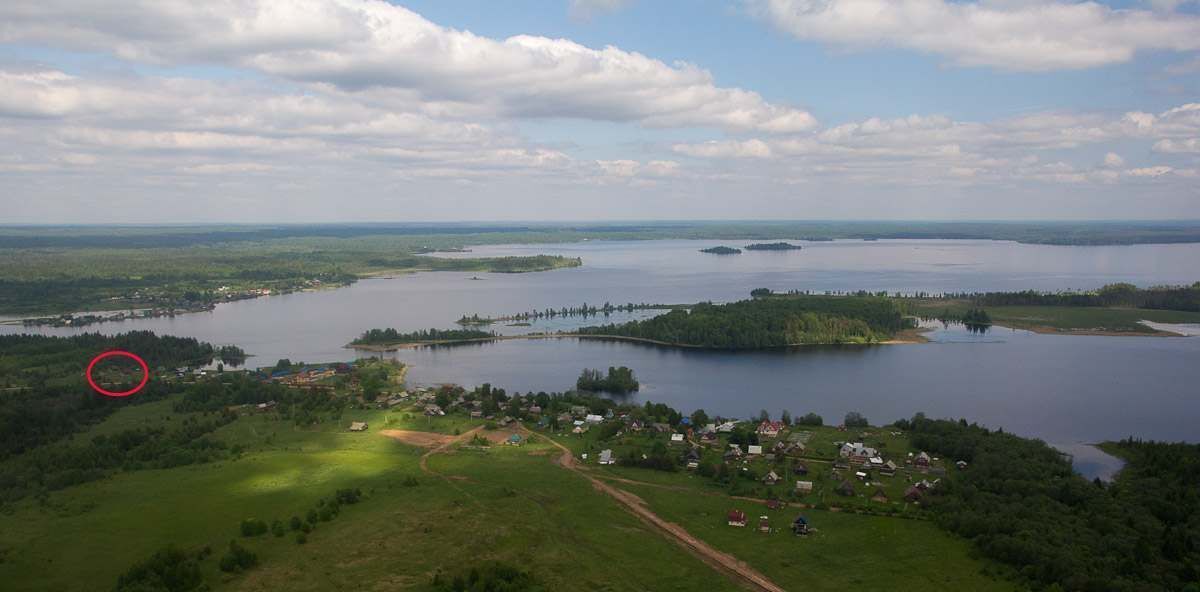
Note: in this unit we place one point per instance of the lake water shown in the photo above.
(1065, 389)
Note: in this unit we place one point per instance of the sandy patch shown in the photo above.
(499, 436)
(424, 439)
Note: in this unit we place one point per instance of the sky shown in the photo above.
(175, 111)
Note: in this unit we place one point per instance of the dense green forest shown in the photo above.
(773, 247)
(1123, 295)
(721, 250)
(1021, 504)
(770, 322)
(47, 396)
(618, 380)
(391, 336)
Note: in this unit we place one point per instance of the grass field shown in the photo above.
(507, 503)
(1067, 319)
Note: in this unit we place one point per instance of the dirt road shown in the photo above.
(724, 562)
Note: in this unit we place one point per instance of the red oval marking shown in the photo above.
(109, 354)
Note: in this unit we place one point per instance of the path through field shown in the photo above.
(724, 562)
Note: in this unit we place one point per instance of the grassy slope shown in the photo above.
(1065, 318)
(515, 506)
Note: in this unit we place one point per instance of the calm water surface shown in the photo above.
(1065, 389)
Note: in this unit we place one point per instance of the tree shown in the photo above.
(855, 419)
(237, 558)
(699, 418)
(811, 419)
(283, 364)
(785, 417)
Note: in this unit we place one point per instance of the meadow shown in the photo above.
(512, 504)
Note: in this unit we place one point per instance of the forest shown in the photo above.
(392, 337)
(1021, 503)
(770, 322)
(721, 250)
(1186, 298)
(47, 397)
(773, 247)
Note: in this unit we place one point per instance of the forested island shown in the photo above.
(770, 322)
(618, 380)
(773, 247)
(390, 336)
(721, 250)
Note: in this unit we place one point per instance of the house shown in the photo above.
(635, 426)
(726, 427)
(879, 496)
(856, 452)
(800, 526)
(593, 418)
(476, 415)
(264, 407)
(708, 437)
(564, 418)
(962, 464)
(770, 478)
(770, 429)
(764, 524)
(579, 410)
(661, 428)
(775, 504)
(432, 410)
(606, 457)
(922, 460)
(844, 489)
(737, 518)
(676, 437)
(754, 450)
(803, 487)
(513, 440)
(358, 426)
(535, 410)
(692, 458)
(800, 469)
(579, 430)
(888, 469)
(734, 452)
(913, 494)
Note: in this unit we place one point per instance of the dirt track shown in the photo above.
(724, 562)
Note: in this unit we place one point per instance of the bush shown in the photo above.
(277, 528)
(253, 527)
(238, 558)
(295, 523)
(301, 538)
(169, 570)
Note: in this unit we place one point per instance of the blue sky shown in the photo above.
(171, 111)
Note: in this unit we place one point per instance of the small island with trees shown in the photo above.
(618, 381)
(780, 246)
(391, 338)
(721, 250)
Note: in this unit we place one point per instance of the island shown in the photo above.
(780, 246)
(390, 338)
(762, 323)
(721, 250)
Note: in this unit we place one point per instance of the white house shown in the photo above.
(593, 418)
(606, 457)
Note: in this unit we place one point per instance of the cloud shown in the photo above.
(393, 55)
(1114, 160)
(1024, 35)
(1177, 146)
(726, 149)
(585, 10)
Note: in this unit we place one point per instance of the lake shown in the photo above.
(1064, 389)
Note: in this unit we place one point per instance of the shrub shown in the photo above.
(253, 527)
(238, 558)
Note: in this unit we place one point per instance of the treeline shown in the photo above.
(618, 380)
(491, 577)
(769, 322)
(1128, 295)
(586, 310)
(49, 397)
(773, 247)
(51, 468)
(392, 336)
(303, 408)
(1021, 504)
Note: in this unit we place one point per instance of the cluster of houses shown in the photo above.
(737, 518)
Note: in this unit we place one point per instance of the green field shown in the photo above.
(1067, 319)
(511, 504)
